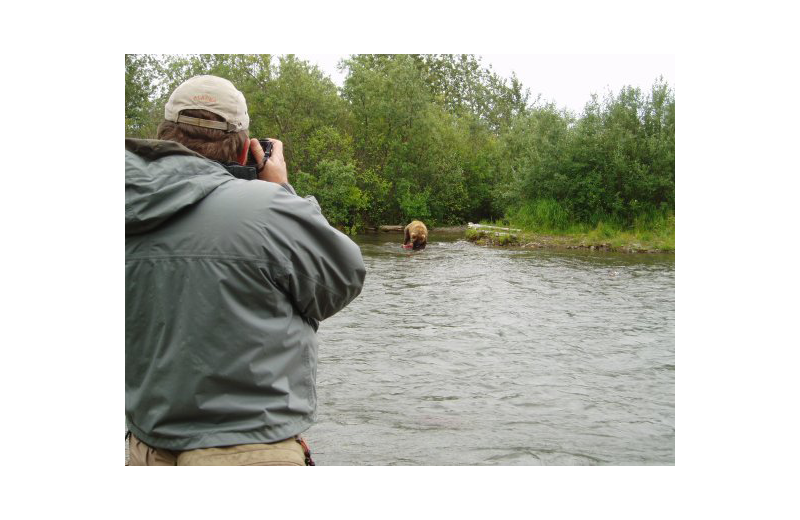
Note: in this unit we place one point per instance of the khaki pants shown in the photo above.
(283, 453)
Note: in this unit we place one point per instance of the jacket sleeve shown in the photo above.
(324, 270)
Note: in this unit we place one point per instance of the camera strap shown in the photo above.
(247, 173)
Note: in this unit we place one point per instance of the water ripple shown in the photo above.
(569, 356)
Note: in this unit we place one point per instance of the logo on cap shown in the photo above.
(204, 98)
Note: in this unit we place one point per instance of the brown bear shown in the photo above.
(415, 236)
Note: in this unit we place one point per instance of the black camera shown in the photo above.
(249, 171)
(266, 145)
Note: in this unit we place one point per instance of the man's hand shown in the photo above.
(275, 168)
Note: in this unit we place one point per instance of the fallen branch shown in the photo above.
(485, 226)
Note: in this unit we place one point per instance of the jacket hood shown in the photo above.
(162, 178)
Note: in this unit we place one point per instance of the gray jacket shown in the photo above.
(226, 282)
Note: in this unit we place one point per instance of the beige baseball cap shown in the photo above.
(212, 93)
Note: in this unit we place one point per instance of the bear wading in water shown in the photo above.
(415, 236)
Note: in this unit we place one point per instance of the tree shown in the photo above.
(462, 85)
(141, 76)
(436, 137)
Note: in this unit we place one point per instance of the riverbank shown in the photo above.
(594, 240)
(598, 239)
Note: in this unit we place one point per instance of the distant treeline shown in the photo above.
(440, 138)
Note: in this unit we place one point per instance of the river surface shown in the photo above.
(467, 355)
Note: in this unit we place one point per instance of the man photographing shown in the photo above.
(226, 282)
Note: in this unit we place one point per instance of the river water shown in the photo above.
(467, 355)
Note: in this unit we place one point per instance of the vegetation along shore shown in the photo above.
(600, 239)
(445, 140)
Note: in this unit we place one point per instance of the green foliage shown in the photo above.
(141, 76)
(464, 87)
(341, 199)
(413, 202)
(542, 215)
(615, 162)
(440, 138)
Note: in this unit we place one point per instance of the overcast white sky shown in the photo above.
(567, 79)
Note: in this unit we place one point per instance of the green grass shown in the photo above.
(546, 223)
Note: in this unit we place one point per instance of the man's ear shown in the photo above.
(243, 155)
